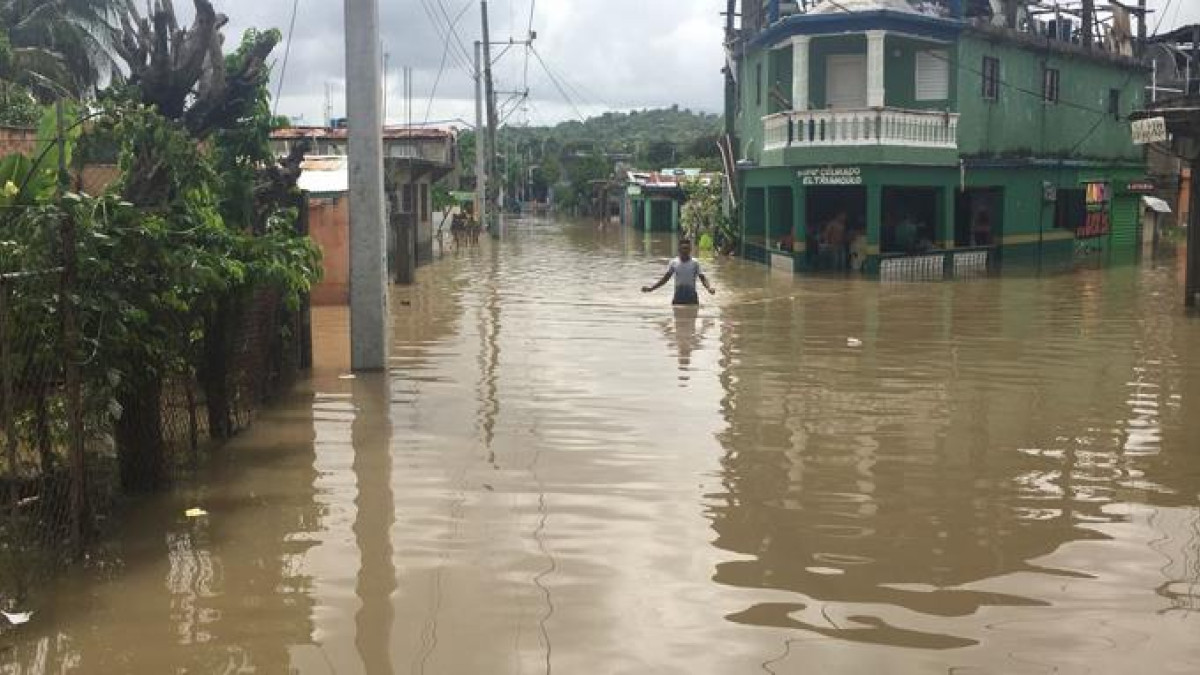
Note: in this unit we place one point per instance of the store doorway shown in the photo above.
(836, 227)
(978, 217)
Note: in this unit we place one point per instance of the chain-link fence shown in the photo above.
(66, 461)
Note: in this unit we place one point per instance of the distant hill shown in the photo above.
(538, 161)
(629, 132)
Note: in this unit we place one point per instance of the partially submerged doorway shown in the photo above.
(835, 218)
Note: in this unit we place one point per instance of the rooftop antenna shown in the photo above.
(328, 105)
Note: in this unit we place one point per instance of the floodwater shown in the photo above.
(561, 474)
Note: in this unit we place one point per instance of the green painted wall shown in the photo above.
(780, 80)
(1019, 124)
(750, 109)
(1027, 218)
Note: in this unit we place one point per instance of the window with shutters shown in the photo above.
(846, 81)
(758, 82)
(991, 78)
(1050, 85)
(933, 75)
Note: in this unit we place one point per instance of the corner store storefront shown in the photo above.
(935, 222)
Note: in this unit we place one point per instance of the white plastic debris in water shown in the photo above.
(195, 513)
(853, 342)
(18, 618)
(347, 376)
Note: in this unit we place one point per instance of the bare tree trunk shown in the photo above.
(139, 437)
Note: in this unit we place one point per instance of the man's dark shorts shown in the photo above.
(685, 295)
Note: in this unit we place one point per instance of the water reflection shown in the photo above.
(996, 476)
(686, 332)
(376, 507)
(978, 430)
(166, 593)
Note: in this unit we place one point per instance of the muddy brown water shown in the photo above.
(561, 474)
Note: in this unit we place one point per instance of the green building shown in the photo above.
(883, 139)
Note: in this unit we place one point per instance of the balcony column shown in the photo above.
(876, 56)
(800, 97)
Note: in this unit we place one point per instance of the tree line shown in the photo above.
(562, 160)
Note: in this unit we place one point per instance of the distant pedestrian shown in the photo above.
(686, 271)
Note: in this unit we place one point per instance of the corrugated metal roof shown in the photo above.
(1156, 204)
(324, 133)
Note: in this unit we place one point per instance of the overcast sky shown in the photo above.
(607, 54)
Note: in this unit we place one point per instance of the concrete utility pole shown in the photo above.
(368, 240)
(1089, 21)
(730, 76)
(480, 145)
(490, 100)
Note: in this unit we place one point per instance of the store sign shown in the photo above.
(1140, 187)
(831, 176)
(1152, 130)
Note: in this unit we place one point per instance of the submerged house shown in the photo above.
(653, 200)
(893, 137)
(415, 159)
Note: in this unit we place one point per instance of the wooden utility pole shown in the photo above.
(490, 102)
(730, 64)
(480, 135)
(1141, 35)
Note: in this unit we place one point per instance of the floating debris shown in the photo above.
(18, 618)
(195, 513)
(853, 342)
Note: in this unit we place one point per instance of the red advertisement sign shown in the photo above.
(1096, 222)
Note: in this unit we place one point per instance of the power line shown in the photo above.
(586, 97)
(442, 67)
(453, 28)
(446, 36)
(558, 85)
(287, 52)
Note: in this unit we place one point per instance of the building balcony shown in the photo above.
(893, 127)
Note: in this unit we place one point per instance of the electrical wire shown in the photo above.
(453, 28)
(558, 85)
(287, 52)
(456, 55)
(442, 67)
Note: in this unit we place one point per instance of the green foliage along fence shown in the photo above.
(138, 327)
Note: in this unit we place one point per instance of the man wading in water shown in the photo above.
(686, 271)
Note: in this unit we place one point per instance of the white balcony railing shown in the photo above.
(877, 126)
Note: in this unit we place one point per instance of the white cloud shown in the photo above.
(607, 54)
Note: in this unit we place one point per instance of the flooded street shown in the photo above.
(561, 474)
